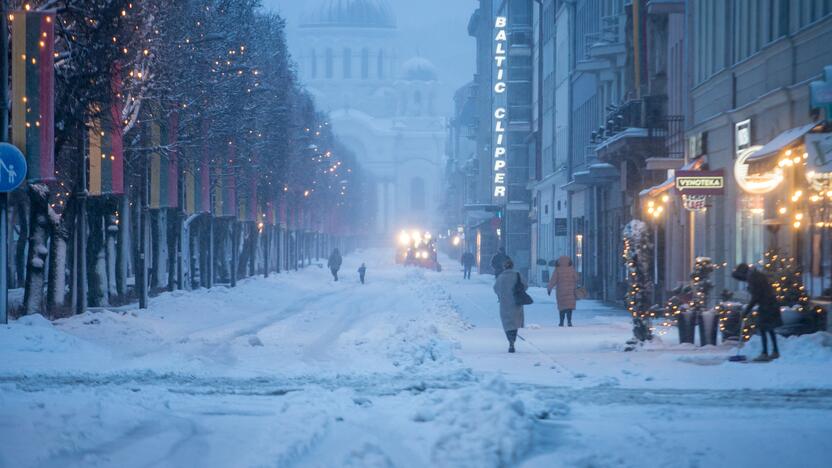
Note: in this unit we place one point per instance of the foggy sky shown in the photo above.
(434, 29)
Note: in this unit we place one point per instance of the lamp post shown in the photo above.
(655, 212)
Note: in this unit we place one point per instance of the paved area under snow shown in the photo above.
(410, 370)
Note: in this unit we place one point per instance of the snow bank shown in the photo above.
(813, 348)
(33, 343)
(484, 425)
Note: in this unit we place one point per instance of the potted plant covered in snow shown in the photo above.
(701, 286)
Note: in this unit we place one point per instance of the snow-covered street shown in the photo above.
(409, 370)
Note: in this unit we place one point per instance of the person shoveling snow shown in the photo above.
(767, 316)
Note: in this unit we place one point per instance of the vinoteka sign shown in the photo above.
(700, 182)
(500, 87)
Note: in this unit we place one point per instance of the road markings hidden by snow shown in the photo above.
(296, 370)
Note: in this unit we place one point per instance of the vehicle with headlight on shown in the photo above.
(417, 248)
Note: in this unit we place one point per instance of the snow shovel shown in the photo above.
(740, 357)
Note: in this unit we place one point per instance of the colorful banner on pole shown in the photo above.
(33, 91)
(247, 196)
(225, 187)
(198, 178)
(105, 147)
(164, 162)
(198, 187)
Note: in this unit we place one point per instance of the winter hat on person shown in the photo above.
(741, 272)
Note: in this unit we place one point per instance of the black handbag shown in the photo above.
(521, 297)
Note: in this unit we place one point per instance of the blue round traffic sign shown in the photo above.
(12, 167)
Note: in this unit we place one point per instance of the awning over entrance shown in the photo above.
(766, 157)
(668, 184)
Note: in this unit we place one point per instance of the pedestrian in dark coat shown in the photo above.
(767, 316)
(362, 270)
(498, 261)
(334, 263)
(511, 314)
(565, 283)
(468, 262)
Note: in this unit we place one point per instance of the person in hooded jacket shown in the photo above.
(564, 281)
(334, 263)
(498, 261)
(511, 314)
(767, 316)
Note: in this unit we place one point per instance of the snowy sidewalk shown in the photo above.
(408, 370)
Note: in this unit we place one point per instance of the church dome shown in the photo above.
(419, 69)
(351, 14)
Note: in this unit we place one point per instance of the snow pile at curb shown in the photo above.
(816, 347)
(484, 425)
(33, 342)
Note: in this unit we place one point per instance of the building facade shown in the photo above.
(499, 201)
(631, 98)
(752, 65)
(382, 107)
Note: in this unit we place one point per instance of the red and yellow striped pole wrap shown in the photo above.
(105, 147)
(33, 91)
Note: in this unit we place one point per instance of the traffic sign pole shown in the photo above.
(4, 260)
(4, 136)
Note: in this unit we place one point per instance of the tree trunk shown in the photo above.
(96, 259)
(112, 255)
(62, 229)
(123, 253)
(38, 238)
(20, 249)
(174, 228)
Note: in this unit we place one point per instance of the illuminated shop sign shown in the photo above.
(499, 164)
(700, 182)
(757, 184)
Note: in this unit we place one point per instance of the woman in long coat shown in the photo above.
(565, 283)
(511, 313)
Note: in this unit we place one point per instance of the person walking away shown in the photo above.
(334, 263)
(511, 314)
(767, 317)
(498, 261)
(468, 262)
(362, 270)
(565, 283)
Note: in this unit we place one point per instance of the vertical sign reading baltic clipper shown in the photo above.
(499, 181)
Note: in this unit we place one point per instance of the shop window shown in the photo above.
(750, 233)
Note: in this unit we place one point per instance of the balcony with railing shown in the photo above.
(640, 127)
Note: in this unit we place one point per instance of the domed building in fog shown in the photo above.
(382, 109)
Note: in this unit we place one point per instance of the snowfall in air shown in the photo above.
(409, 370)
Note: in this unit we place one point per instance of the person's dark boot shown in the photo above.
(511, 347)
(763, 357)
(773, 356)
(570, 324)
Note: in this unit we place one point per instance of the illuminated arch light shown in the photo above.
(756, 184)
